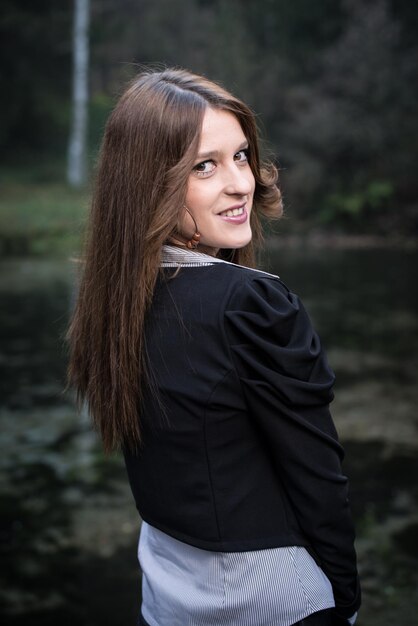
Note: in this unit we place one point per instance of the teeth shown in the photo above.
(233, 212)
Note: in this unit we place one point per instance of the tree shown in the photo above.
(351, 126)
(77, 170)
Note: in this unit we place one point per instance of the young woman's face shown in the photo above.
(221, 186)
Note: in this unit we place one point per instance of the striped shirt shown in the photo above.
(185, 586)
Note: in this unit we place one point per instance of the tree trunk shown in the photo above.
(77, 170)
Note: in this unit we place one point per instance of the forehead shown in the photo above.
(220, 129)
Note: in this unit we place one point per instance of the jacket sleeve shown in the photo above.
(287, 385)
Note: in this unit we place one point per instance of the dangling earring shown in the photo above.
(195, 240)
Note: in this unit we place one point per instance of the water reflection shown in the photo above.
(69, 528)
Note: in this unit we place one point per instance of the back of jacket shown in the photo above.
(239, 450)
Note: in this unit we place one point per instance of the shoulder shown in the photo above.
(245, 280)
(262, 311)
(258, 290)
(271, 334)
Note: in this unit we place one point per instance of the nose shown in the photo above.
(239, 180)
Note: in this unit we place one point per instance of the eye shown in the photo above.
(205, 168)
(242, 156)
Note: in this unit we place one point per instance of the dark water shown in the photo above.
(68, 526)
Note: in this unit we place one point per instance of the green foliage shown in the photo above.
(378, 194)
(356, 206)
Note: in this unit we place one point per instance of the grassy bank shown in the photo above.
(38, 218)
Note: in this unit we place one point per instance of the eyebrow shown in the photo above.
(215, 153)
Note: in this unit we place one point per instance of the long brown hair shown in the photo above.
(149, 148)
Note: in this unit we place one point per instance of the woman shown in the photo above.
(208, 373)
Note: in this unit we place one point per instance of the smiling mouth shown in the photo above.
(233, 212)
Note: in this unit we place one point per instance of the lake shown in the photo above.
(69, 527)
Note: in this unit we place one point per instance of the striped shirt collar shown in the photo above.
(173, 256)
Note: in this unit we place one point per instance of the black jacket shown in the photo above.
(239, 449)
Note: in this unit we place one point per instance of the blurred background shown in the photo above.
(334, 84)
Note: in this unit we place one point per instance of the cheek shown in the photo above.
(252, 180)
(201, 196)
(193, 193)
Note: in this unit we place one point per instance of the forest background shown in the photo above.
(332, 81)
(334, 85)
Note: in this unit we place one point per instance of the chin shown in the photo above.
(227, 243)
(241, 242)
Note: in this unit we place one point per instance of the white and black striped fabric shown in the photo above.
(183, 257)
(185, 586)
